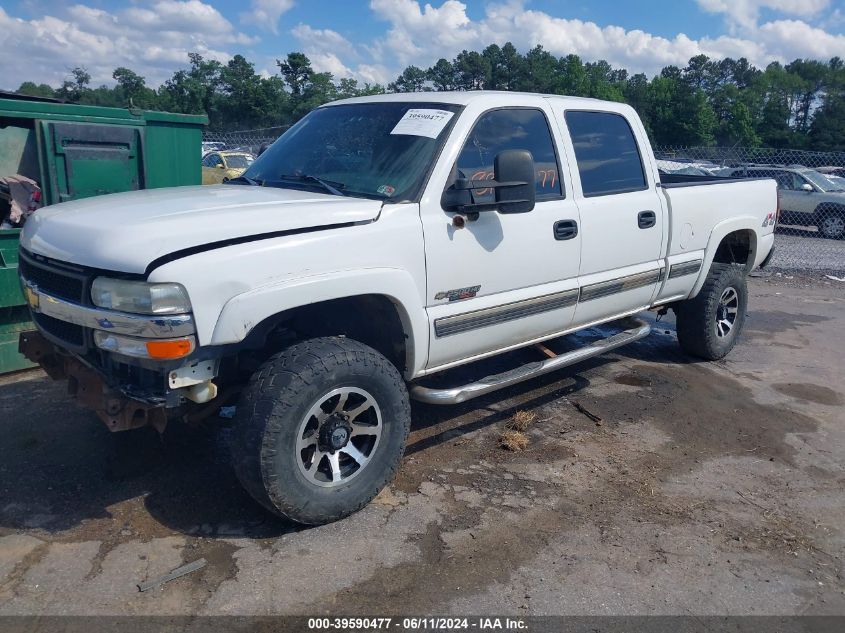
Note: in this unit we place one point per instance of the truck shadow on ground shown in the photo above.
(65, 475)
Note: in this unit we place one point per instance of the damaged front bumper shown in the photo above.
(115, 408)
(125, 392)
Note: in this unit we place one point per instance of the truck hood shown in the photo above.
(127, 231)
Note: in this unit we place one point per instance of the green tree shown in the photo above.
(131, 89)
(442, 75)
(296, 71)
(473, 70)
(73, 88)
(36, 90)
(412, 79)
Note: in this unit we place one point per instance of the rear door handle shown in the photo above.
(565, 229)
(646, 219)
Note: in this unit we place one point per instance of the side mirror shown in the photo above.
(513, 183)
(221, 166)
(807, 187)
(513, 169)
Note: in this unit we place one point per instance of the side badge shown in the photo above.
(458, 293)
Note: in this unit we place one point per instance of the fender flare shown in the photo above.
(243, 312)
(719, 232)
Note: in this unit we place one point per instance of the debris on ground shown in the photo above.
(514, 440)
(582, 409)
(173, 575)
(227, 412)
(521, 420)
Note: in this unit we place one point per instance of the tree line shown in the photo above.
(800, 105)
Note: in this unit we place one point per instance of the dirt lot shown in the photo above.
(704, 489)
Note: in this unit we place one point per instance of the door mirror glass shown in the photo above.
(514, 174)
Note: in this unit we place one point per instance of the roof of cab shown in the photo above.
(465, 97)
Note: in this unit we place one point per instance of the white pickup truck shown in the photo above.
(379, 241)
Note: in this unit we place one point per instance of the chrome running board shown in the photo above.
(639, 329)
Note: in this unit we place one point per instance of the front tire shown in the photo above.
(320, 430)
(709, 324)
(832, 224)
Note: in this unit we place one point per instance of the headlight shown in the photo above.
(139, 297)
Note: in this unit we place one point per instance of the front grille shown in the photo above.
(54, 280)
(65, 333)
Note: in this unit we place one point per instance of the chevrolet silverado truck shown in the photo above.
(378, 243)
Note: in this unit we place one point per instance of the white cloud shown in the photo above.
(265, 14)
(794, 38)
(152, 39)
(326, 48)
(746, 13)
(421, 34)
(323, 40)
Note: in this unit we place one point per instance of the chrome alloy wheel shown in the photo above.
(338, 436)
(833, 226)
(726, 312)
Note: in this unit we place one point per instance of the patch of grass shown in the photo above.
(520, 421)
(514, 440)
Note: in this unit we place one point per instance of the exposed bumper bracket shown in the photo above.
(117, 411)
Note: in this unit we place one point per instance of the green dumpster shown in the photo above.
(14, 316)
(75, 151)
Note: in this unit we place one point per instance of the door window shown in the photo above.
(608, 158)
(510, 128)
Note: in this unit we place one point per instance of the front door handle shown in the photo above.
(565, 229)
(646, 219)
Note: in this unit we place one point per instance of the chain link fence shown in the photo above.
(810, 236)
(242, 140)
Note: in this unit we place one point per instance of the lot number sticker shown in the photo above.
(423, 122)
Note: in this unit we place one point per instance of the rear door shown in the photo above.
(622, 216)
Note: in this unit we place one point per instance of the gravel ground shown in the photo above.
(703, 489)
(801, 248)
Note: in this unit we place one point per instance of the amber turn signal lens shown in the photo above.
(165, 350)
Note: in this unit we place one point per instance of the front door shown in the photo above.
(503, 279)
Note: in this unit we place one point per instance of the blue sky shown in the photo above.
(372, 40)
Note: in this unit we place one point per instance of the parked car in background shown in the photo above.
(212, 146)
(223, 165)
(807, 197)
(832, 171)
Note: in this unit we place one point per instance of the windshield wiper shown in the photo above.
(333, 188)
(240, 180)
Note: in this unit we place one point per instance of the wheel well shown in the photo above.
(370, 319)
(736, 248)
(830, 207)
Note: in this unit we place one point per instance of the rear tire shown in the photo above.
(709, 324)
(320, 430)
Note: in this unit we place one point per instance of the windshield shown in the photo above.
(239, 161)
(371, 150)
(821, 181)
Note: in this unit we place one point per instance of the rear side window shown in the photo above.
(608, 157)
(510, 128)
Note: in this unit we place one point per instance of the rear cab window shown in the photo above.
(606, 150)
(511, 128)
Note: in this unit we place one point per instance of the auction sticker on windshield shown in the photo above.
(423, 122)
